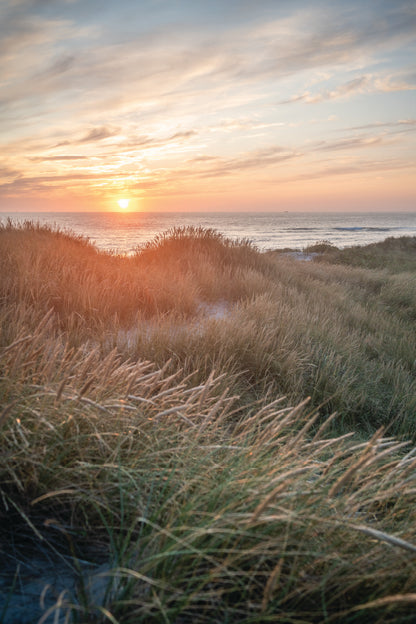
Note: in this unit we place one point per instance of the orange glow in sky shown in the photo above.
(197, 105)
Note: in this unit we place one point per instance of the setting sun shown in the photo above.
(123, 203)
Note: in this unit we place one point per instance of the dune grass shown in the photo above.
(394, 254)
(176, 453)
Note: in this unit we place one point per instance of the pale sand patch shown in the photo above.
(146, 330)
(301, 255)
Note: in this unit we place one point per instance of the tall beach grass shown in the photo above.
(170, 459)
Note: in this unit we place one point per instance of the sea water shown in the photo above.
(124, 232)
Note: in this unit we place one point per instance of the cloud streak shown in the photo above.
(219, 167)
(357, 86)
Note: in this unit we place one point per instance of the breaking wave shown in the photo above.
(357, 228)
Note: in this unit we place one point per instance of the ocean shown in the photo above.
(123, 232)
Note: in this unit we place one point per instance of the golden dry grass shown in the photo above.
(173, 458)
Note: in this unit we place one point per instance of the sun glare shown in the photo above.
(123, 203)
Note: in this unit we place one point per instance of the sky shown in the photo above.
(198, 105)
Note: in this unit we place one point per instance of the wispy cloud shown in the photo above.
(217, 167)
(350, 143)
(151, 69)
(353, 168)
(57, 158)
(400, 125)
(357, 86)
(98, 134)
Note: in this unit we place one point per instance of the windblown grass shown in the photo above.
(393, 254)
(171, 460)
(49, 269)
